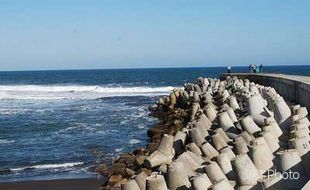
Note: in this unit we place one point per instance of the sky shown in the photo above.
(101, 34)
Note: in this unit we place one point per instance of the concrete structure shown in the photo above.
(292, 87)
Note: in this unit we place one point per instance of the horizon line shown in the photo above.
(128, 68)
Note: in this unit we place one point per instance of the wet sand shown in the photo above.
(60, 184)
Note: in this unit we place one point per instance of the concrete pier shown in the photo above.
(293, 88)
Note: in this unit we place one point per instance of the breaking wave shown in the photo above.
(48, 166)
(46, 92)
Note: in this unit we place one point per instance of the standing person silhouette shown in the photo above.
(251, 68)
(228, 69)
(261, 68)
(255, 68)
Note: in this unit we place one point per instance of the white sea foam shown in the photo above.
(4, 141)
(118, 149)
(46, 92)
(141, 126)
(48, 166)
(134, 141)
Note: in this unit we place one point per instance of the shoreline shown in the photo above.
(54, 184)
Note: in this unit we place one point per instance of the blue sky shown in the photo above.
(98, 34)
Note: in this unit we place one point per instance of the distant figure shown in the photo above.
(251, 68)
(261, 68)
(228, 69)
(255, 68)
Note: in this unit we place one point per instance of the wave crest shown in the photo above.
(24, 92)
(48, 166)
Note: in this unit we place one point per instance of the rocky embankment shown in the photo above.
(219, 135)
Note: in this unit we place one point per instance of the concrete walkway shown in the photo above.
(303, 79)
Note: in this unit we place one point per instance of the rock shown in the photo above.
(152, 147)
(102, 179)
(118, 185)
(116, 168)
(139, 151)
(128, 173)
(145, 170)
(114, 179)
(102, 168)
(127, 159)
(140, 160)
(153, 131)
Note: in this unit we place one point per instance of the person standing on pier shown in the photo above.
(261, 68)
(228, 68)
(251, 68)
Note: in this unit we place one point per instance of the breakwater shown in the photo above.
(293, 88)
(218, 134)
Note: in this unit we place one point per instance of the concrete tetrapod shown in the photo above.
(290, 162)
(273, 142)
(197, 158)
(302, 126)
(225, 164)
(214, 172)
(301, 144)
(218, 141)
(257, 109)
(273, 182)
(223, 134)
(211, 112)
(240, 146)
(130, 185)
(222, 185)
(209, 151)
(249, 125)
(261, 157)
(164, 153)
(226, 123)
(303, 121)
(247, 137)
(282, 114)
(232, 115)
(197, 136)
(294, 109)
(156, 182)
(179, 142)
(195, 108)
(302, 112)
(302, 133)
(201, 182)
(189, 163)
(232, 102)
(229, 152)
(141, 180)
(177, 177)
(249, 187)
(245, 169)
(201, 130)
(203, 120)
(262, 141)
(194, 148)
(270, 121)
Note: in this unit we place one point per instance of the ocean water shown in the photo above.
(59, 124)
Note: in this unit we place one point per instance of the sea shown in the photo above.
(61, 124)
